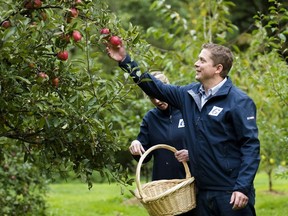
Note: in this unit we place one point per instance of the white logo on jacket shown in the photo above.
(215, 111)
(181, 123)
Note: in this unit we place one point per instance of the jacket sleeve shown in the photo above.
(150, 85)
(244, 119)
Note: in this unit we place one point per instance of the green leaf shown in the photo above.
(22, 79)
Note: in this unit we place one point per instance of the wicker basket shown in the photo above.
(166, 197)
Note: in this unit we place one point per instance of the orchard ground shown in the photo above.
(114, 200)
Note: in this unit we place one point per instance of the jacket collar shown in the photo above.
(195, 91)
(225, 88)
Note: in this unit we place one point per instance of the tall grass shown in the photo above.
(74, 199)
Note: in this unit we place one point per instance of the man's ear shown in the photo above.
(219, 68)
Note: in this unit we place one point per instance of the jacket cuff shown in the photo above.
(130, 66)
(125, 61)
(244, 191)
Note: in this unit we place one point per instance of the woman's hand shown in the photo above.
(136, 148)
(182, 155)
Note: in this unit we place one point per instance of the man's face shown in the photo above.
(204, 67)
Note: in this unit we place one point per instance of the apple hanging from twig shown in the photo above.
(76, 35)
(62, 55)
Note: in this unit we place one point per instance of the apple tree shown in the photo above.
(56, 97)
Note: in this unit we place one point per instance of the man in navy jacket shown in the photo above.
(221, 130)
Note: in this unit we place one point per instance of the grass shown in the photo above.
(103, 199)
(74, 199)
(273, 203)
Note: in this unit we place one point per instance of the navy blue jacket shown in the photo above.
(163, 127)
(221, 137)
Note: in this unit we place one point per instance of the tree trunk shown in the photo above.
(270, 179)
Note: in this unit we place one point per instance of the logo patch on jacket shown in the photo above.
(181, 123)
(215, 111)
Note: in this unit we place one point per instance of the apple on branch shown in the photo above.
(78, 2)
(62, 55)
(6, 24)
(55, 82)
(37, 3)
(74, 12)
(105, 31)
(41, 77)
(76, 36)
(30, 4)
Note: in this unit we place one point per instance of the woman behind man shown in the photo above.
(162, 125)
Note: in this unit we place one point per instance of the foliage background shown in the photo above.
(85, 125)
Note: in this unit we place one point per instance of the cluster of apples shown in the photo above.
(42, 77)
(76, 35)
(113, 40)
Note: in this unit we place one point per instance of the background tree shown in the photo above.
(23, 188)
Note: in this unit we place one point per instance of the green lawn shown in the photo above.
(103, 199)
(74, 199)
(271, 203)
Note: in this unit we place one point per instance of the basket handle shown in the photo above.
(138, 184)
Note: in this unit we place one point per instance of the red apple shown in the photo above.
(76, 35)
(6, 24)
(43, 75)
(115, 41)
(37, 3)
(104, 31)
(28, 5)
(33, 4)
(62, 55)
(74, 12)
(55, 82)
